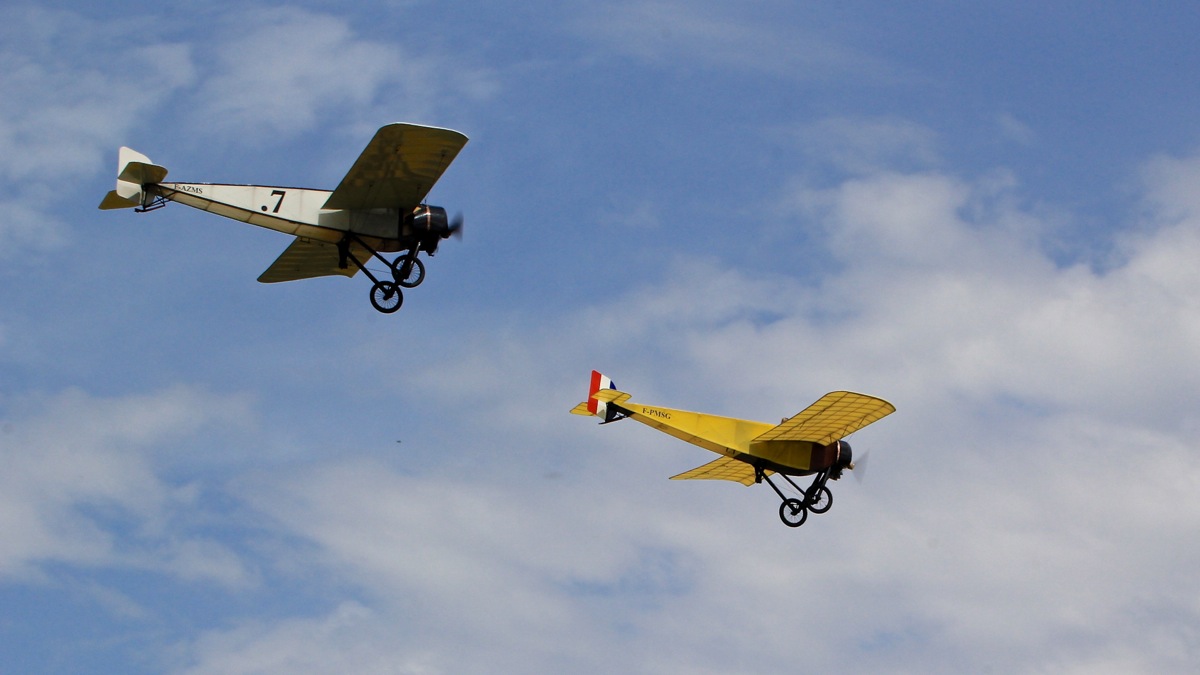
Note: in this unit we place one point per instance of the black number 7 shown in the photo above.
(279, 203)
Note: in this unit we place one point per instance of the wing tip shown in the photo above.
(426, 127)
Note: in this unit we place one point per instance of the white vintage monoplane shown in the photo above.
(379, 207)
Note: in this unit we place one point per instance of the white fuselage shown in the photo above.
(296, 211)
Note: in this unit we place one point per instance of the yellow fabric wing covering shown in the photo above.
(307, 258)
(397, 168)
(835, 415)
(724, 468)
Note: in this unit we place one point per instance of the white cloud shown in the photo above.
(463, 575)
(1015, 130)
(76, 88)
(994, 313)
(82, 484)
(27, 228)
(63, 111)
(352, 638)
(1032, 505)
(1029, 507)
(662, 31)
(280, 72)
(870, 145)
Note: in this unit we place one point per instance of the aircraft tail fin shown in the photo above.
(599, 405)
(134, 172)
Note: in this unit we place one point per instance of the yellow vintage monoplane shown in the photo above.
(807, 444)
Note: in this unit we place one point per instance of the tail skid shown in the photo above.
(134, 172)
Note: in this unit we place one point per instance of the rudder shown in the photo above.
(134, 172)
(592, 406)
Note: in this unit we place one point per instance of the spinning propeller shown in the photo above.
(455, 229)
(859, 469)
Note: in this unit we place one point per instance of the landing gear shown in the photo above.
(407, 271)
(386, 296)
(820, 501)
(793, 512)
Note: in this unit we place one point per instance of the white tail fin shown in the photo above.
(592, 406)
(134, 172)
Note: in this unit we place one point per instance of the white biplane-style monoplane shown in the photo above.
(379, 207)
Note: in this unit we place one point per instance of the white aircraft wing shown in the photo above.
(308, 258)
(397, 168)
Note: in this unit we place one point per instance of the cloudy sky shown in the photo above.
(987, 213)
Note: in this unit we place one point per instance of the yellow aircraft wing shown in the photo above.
(724, 468)
(308, 258)
(397, 168)
(835, 415)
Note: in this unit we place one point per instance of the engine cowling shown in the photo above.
(429, 220)
(844, 461)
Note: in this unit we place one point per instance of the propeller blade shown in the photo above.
(860, 467)
(456, 226)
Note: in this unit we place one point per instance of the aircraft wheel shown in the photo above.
(793, 513)
(386, 297)
(822, 501)
(416, 271)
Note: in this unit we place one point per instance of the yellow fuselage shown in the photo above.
(733, 437)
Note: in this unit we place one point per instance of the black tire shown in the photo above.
(792, 512)
(822, 502)
(416, 272)
(386, 297)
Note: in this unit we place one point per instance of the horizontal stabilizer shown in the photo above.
(134, 172)
(308, 258)
(112, 200)
(142, 173)
(611, 396)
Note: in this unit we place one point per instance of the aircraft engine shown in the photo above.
(845, 459)
(432, 220)
(429, 220)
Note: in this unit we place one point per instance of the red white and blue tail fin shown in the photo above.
(594, 405)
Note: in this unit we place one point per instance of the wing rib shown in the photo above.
(835, 415)
(722, 468)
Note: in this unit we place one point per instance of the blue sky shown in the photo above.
(985, 213)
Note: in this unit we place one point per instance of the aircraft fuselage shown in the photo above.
(295, 211)
(734, 438)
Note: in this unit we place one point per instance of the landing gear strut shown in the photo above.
(793, 512)
(407, 271)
